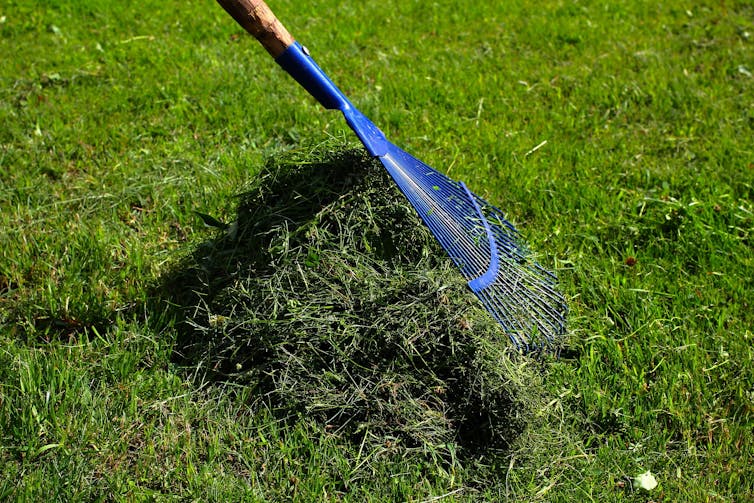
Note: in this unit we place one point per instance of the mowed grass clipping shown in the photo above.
(329, 298)
(617, 137)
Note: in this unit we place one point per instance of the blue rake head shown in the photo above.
(515, 289)
(488, 250)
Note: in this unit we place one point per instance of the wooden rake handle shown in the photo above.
(257, 18)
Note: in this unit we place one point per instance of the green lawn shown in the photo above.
(618, 137)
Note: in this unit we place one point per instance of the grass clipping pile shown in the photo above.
(331, 298)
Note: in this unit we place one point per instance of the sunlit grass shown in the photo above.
(617, 137)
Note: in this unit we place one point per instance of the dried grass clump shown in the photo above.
(332, 299)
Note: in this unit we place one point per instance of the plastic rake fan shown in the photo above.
(488, 250)
(515, 289)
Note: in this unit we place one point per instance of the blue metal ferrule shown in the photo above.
(299, 64)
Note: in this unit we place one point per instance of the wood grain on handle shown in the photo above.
(258, 19)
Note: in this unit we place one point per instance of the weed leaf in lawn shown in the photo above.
(211, 221)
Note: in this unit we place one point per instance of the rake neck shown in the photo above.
(299, 64)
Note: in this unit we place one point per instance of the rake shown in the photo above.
(519, 293)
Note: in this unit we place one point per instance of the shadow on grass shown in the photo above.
(330, 299)
(284, 197)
